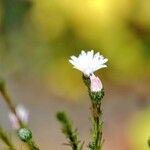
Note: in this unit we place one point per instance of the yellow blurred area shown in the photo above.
(104, 25)
(139, 130)
(47, 32)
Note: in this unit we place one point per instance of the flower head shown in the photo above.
(22, 114)
(14, 121)
(96, 84)
(88, 62)
(25, 134)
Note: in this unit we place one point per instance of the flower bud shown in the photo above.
(96, 84)
(96, 89)
(25, 134)
(22, 114)
(14, 121)
(97, 96)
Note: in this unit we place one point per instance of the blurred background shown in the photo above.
(37, 37)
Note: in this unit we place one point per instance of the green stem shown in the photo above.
(97, 125)
(4, 137)
(32, 145)
(12, 108)
(70, 133)
(9, 101)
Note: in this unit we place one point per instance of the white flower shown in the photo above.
(14, 121)
(88, 62)
(22, 115)
(96, 84)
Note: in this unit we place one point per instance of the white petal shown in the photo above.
(74, 58)
(105, 60)
(14, 121)
(22, 113)
(88, 62)
(83, 53)
(72, 62)
(90, 54)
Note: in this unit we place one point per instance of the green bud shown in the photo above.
(25, 134)
(97, 96)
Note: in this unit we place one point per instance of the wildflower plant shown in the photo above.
(70, 133)
(19, 118)
(5, 138)
(88, 63)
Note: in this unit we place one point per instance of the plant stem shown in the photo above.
(4, 137)
(12, 108)
(8, 101)
(97, 125)
(96, 111)
(32, 145)
(68, 130)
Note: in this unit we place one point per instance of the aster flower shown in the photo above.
(96, 84)
(22, 115)
(88, 62)
(14, 121)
